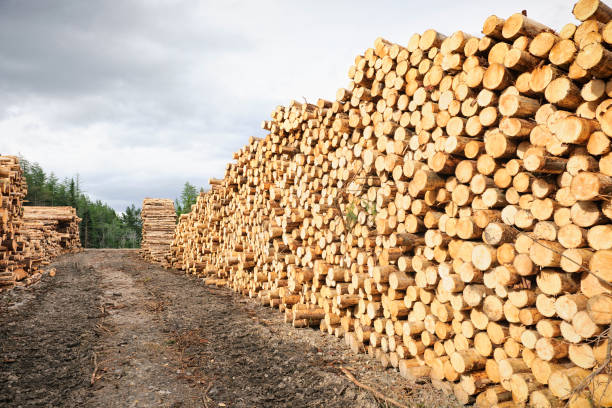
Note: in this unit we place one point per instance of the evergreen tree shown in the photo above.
(189, 196)
(133, 227)
(72, 193)
(52, 182)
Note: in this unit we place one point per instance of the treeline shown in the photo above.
(101, 226)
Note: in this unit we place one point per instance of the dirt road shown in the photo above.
(112, 331)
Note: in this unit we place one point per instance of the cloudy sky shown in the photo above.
(138, 97)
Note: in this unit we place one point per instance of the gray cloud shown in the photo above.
(139, 96)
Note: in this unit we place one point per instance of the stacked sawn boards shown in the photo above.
(158, 224)
(449, 213)
(50, 231)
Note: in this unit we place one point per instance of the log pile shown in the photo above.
(158, 224)
(449, 213)
(30, 236)
(49, 232)
(13, 189)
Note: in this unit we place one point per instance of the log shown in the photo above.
(596, 59)
(592, 9)
(590, 186)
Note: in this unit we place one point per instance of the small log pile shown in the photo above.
(50, 232)
(13, 189)
(158, 224)
(449, 213)
(29, 236)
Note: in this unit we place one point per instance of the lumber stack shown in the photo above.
(49, 232)
(449, 213)
(158, 224)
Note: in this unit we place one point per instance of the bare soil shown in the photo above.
(110, 330)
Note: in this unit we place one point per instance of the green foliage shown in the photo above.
(352, 211)
(101, 226)
(351, 216)
(189, 196)
(370, 207)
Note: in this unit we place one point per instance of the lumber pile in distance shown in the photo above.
(449, 213)
(50, 232)
(158, 224)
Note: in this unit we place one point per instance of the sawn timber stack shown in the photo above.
(158, 224)
(50, 231)
(448, 213)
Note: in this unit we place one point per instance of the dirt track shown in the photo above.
(147, 337)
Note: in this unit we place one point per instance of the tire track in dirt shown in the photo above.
(47, 334)
(137, 360)
(163, 339)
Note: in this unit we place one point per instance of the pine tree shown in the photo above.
(189, 196)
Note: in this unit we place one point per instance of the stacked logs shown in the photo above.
(50, 232)
(158, 224)
(13, 189)
(29, 236)
(449, 213)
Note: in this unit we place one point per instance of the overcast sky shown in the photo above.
(138, 97)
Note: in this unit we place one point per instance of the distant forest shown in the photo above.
(101, 226)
